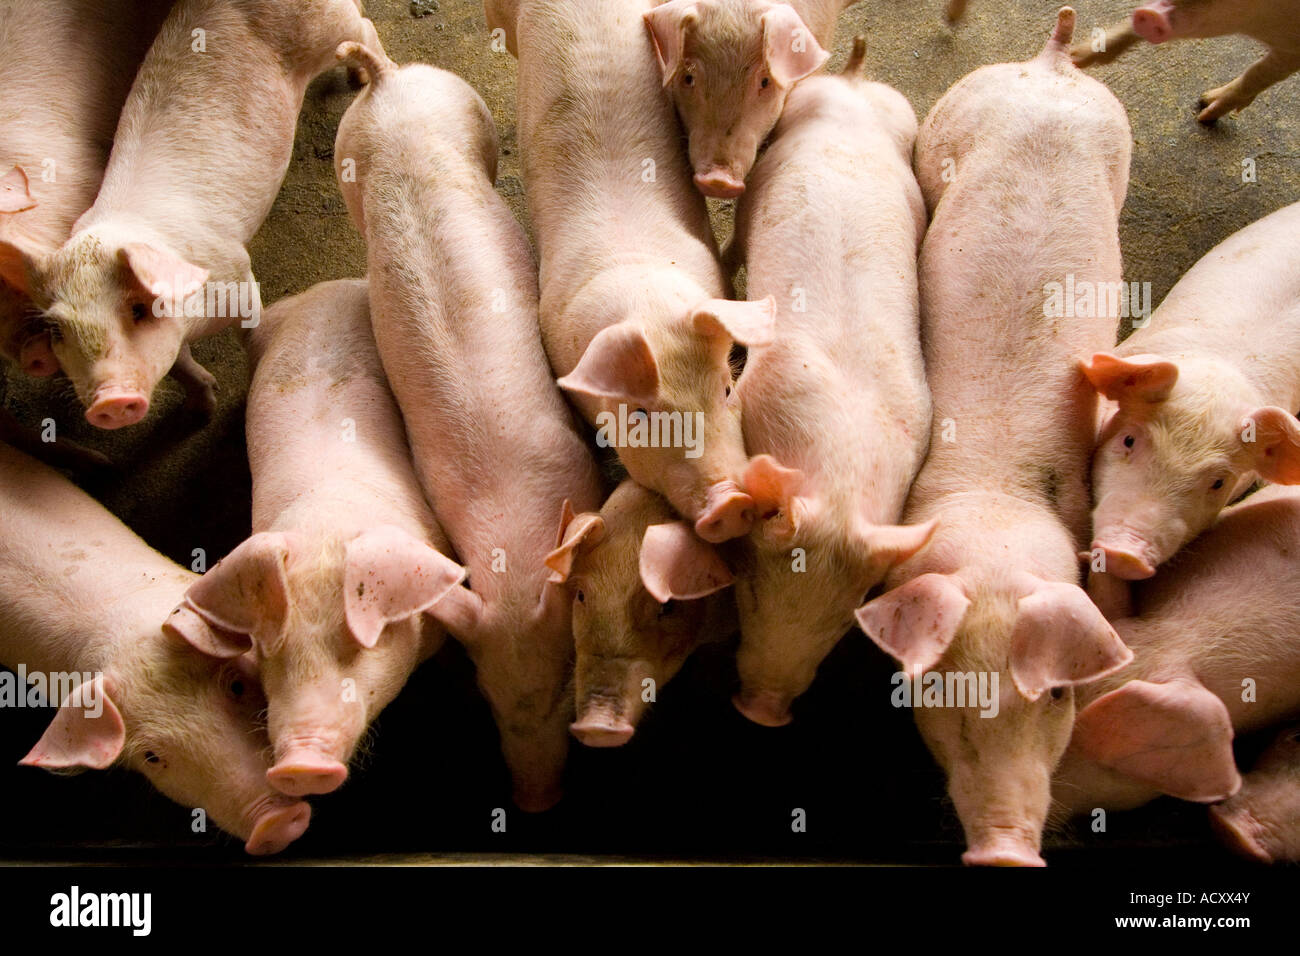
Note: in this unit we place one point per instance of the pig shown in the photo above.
(68, 68)
(647, 591)
(81, 594)
(1024, 167)
(159, 259)
(836, 408)
(632, 311)
(1271, 22)
(1222, 612)
(453, 292)
(345, 555)
(1203, 399)
(1262, 820)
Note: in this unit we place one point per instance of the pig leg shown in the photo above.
(1119, 39)
(199, 384)
(1273, 67)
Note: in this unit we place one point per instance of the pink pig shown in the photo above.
(1262, 821)
(1271, 22)
(454, 298)
(632, 313)
(345, 552)
(202, 146)
(1025, 166)
(1204, 399)
(646, 593)
(834, 213)
(81, 594)
(1214, 639)
(68, 67)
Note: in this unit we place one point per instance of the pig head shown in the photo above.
(1262, 821)
(671, 380)
(334, 627)
(645, 594)
(729, 65)
(1185, 440)
(190, 725)
(810, 563)
(116, 312)
(1042, 638)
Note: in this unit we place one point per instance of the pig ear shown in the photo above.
(576, 533)
(390, 576)
(246, 592)
(16, 263)
(749, 323)
(75, 738)
(773, 488)
(668, 24)
(14, 194)
(1277, 445)
(1137, 380)
(915, 623)
(887, 545)
(188, 625)
(1176, 737)
(677, 564)
(1060, 639)
(618, 364)
(791, 50)
(160, 271)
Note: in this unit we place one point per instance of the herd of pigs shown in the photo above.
(917, 443)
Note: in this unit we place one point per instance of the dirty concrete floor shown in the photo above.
(183, 486)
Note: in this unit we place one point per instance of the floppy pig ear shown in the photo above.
(390, 576)
(915, 623)
(668, 24)
(576, 532)
(676, 564)
(1277, 445)
(185, 623)
(14, 194)
(245, 593)
(791, 50)
(1137, 380)
(1176, 737)
(76, 738)
(1060, 638)
(160, 271)
(618, 364)
(750, 323)
(15, 265)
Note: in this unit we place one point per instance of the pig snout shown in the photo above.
(602, 724)
(275, 824)
(1152, 22)
(113, 407)
(1002, 846)
(306, 770)
(719, 182)
(765, 708)
(728, 513)
(1239, 832)
(1129, 555)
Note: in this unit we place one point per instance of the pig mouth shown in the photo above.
(1240, 832)
(276, 822)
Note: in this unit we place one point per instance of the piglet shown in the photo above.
(80, 594)
(1262, 821)
(345, 555)
(646, 593)
(632, 310)
(1215, 652)
(1025, 166)
(454, 300)
(1204, 399)
(834, 213)
(1275, 23)
(202, 146)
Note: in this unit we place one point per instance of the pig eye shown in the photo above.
(668, 607)
(139, 312)
(56, 333)
(1217, 485)
(1128, 441)
(236, 688)
(688, 79)
(765, 82)
(151, 757)
(1058, 693)
(582, 598)
(728, 391)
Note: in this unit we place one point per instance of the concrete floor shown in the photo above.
(183, 486)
